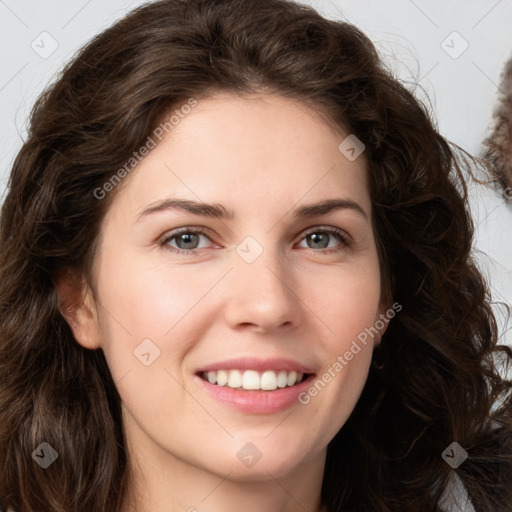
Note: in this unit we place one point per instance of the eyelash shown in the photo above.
(338, 234)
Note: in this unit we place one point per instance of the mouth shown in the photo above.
(253, 380)
(255, 385)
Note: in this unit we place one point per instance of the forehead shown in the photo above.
(265, 152)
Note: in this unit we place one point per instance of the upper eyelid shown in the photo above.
(324, 228)
(170, 235)
(185, 229)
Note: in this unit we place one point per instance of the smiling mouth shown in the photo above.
(252, 380)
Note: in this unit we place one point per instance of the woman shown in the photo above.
(172, 336)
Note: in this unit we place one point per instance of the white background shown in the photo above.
(408, 33)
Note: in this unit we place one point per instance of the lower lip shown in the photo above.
(257, 402)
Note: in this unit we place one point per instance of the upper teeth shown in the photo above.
(251, 379)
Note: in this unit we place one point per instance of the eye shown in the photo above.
(186, 240)
(321, 237)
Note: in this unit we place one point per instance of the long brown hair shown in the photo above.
(434, 379)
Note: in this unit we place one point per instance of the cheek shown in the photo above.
(151, 301)
(158, 311)
(347, 300)
(348, 310)
(155, 316)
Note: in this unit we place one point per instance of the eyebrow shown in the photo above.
(218, 211)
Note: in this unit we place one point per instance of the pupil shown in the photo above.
(186, 239)
(316, 236)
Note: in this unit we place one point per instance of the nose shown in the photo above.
(262, 295)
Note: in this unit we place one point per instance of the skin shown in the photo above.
(261, 157)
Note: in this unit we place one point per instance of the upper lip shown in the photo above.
(252, 363)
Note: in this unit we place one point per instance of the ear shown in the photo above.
(77, 306)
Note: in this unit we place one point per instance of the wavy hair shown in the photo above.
(434, 378)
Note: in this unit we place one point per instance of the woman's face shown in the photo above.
(270, 285)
